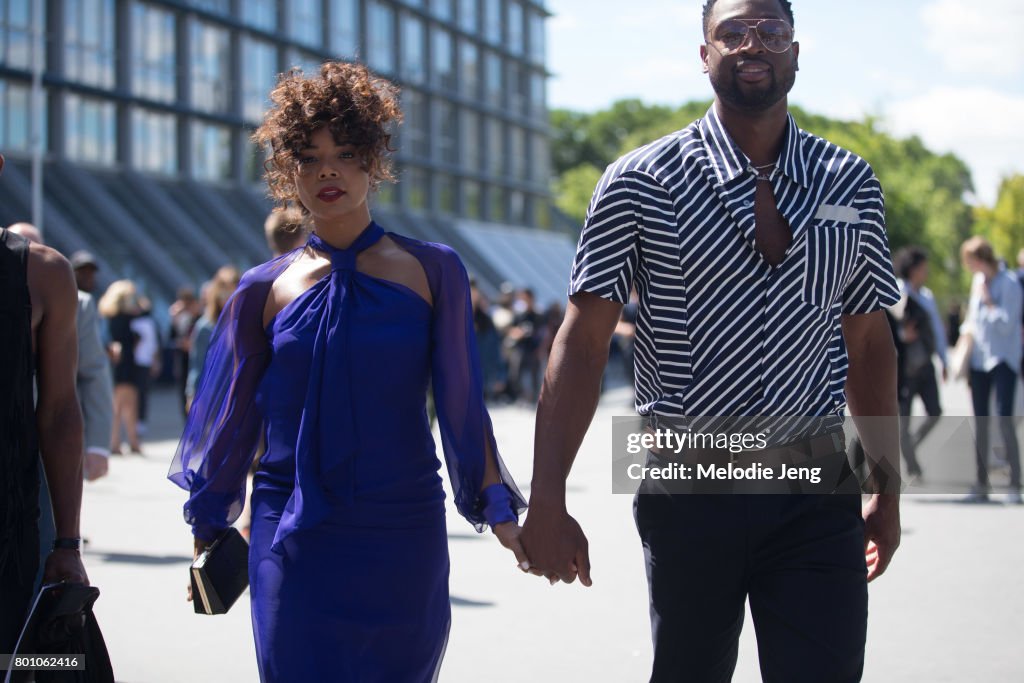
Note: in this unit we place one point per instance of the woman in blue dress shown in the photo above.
(323, 359)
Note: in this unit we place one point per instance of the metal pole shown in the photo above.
(36, 119)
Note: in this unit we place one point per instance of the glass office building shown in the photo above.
(149, 104)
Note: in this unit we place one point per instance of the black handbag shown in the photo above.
(220, 574)
(62, 626)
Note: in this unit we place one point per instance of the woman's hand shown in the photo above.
(197, 549)
(508, 536)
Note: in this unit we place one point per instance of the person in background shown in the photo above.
(92, 383)
(147, 357)
(86, 268)
(285, 230)
(922, 334)
(993, 319)
(120, 305)
(37, 332)
(488, 341)
(184, 312)
(523, 342)
(217, 292)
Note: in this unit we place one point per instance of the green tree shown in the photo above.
(1003, 224)
(573, 190)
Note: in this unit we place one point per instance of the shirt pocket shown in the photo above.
(831, 257)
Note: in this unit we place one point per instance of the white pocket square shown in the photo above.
(834, 212)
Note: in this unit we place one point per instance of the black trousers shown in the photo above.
(798, 558)
(1003, 381)
(923, 384)
(20, 565)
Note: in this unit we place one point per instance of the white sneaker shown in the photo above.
(1014, 498)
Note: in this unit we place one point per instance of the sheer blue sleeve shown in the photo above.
(223, 429)
(457, 381)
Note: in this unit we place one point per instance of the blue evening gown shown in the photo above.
(348, 560)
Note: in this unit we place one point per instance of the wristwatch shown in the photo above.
(67, 544)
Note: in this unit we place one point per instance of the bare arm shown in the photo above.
(552, 539)
(58, 417)
(871, 395)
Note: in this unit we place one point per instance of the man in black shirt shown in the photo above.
(38, 304)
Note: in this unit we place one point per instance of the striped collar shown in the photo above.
(729, 161)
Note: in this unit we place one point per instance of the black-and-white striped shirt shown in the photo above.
(721, 332)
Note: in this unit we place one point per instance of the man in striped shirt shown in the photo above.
(760, 257)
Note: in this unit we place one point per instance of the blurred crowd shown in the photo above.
(979, 341)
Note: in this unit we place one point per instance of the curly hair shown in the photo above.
(358, 108)
(787, 10)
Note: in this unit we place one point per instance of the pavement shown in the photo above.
(950, 608)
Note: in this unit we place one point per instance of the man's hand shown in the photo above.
(96, 465)
(881, 532)
(64, 565)
(556, 546)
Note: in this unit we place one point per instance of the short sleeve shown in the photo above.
(609, 248)
(872, 286)
(223, 428)
(463, 421)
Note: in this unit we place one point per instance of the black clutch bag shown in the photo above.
(220, 574)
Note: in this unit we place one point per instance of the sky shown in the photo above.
(948, 71)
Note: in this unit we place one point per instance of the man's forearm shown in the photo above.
(871, 395)
(60, 445)
(568, 400)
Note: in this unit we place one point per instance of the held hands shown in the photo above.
(556, 546)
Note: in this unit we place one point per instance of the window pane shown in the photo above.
(261, 14)
(259, 74)
(444, 67)
(445, 193)
(516, 90)
(344, 29)
(469, 132)
(211, 151)
(495, 148)
(413, 42)
(469, 19)
(89, 130)
(493, 82)
(154, 142)
(211, 73)
(416, 188)
(470, 65)
(471, 199)
(153, 53)
(495, 203)
(515, 27)
(305, 22)
(538, 105)
(381, 38)
(537, 38)
(517, 153)
(492, 21)
(416, 141)
(442, 9)
(445, 131)
(89, 42)
(516, 208)
(16, 33)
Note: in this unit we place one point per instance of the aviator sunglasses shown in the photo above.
(730, 35)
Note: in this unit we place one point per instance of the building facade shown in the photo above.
(149, 105)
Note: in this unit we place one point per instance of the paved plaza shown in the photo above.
(951, 607)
